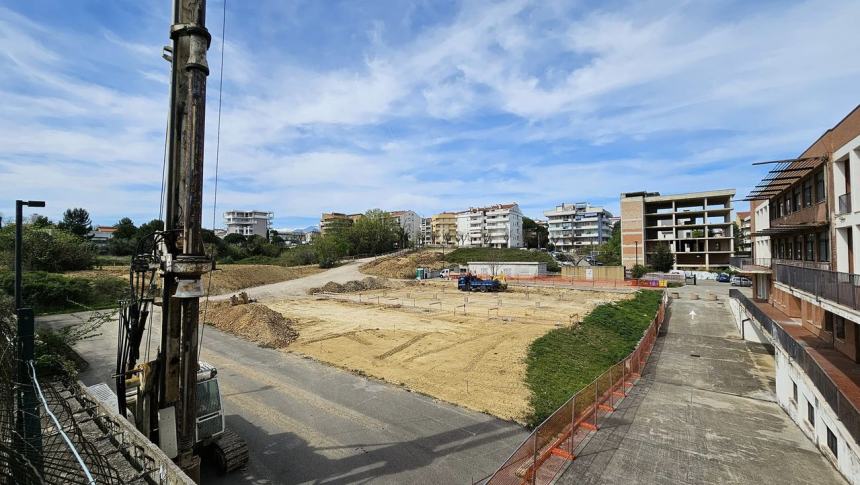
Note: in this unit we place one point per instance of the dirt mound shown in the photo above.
(369, 283)
(404, 266)
(252, 321)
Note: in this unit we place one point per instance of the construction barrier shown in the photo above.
(552, 444)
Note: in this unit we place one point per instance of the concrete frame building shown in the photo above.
(697, 227)
(743, 220)
(576, 226)
(806, 292)
(248, 223)
(496, 226)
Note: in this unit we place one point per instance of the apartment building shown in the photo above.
(444, 228)
(496, 226)
(331, 220)
(805, 231)
(743, 220)
(410, 221)
(425, 237)
(579, 226)
(248, 223)
(697, 227)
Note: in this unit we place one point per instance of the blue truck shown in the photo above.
(473, 283)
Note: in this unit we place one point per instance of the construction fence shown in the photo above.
(554, 443)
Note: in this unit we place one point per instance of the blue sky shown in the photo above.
(423, 105)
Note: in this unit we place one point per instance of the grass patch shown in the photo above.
(565, 360)
(465, 255)
(57, 293)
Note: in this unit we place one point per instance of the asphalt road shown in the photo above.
(307, 422)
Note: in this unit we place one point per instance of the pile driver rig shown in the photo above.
(174, 399)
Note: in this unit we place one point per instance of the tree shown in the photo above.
(125, 229)
(536, 235)
(329, 249)
(149, 228)
(76, 221)
(38, 220)
(663, 260)
(49, 250)
(234, 238)
(609, 253)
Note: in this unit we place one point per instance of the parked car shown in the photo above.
(741, 281)
(724, 278)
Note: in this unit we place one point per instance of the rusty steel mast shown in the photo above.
(183, 260)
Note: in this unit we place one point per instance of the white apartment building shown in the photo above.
(578, 226)
(410, 221)
(425, 237)
(248, 223)
(497, 226)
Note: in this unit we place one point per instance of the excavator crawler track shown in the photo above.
(230, 451)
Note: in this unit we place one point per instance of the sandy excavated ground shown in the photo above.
(420, 337)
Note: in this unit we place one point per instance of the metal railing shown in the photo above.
(844, 408)
(844, 204)
(553, 443)
(742, 261)
(841, 288)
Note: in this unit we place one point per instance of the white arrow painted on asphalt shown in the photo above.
(692, 314)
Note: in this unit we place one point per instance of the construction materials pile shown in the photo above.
(252, 321)
(353, 286)
(404, 266)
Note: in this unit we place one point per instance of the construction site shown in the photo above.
(467, 349)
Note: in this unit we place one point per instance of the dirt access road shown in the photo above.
(300, 286)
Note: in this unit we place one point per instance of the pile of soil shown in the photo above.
(369, 283)
(404, 266)
(252, 321)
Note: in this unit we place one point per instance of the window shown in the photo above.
(832, 443)
(798, 248)
(810, 413)
(780, 209)
(828, 322)
(794, 392)
(781, 249)
(797, 201)
(807, 193)
(819, 186)
(824, 246)
(810, 247)
(839, 326)
(787, 204)
(789, 250)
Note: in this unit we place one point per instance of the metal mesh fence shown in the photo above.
(545, 453)
(60, 451)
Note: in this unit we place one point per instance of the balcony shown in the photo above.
(836, 287)
(813, 215)
(750, 265)
(844, 205)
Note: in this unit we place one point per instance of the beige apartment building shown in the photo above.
(697, 227)
(330, 220)
(444, 228)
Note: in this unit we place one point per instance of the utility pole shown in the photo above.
(183, 261)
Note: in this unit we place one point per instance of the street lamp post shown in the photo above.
(28, 423)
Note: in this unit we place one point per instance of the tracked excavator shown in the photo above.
(173, 398)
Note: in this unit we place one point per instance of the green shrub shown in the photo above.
(565, 360)
(51, 292)
(49, 249)
(639, 271)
